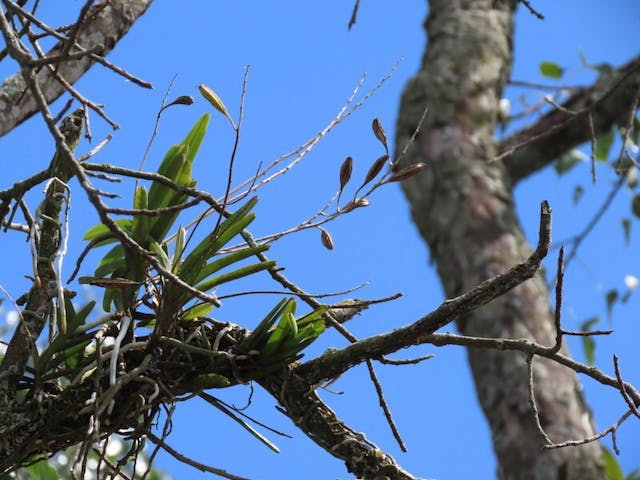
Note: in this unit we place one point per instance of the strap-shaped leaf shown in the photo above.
(285, 330)
(140, 228)
(228, 229)
(161, 255)
(112, 261)
(229, 259)
(234, 275)
(198, 310)
(74, 320)
(100, 230)
(259, 335)
(176, 259)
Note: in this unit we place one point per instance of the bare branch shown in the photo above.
(608, 100)
(102, 30)
(335, 362)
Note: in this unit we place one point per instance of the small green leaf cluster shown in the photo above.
(282, 343)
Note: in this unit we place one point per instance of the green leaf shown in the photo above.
(211, 380)
(165, 196)
(635, 130)
(280, 334)
(176, 165)
(112, 295)
(578, 191)
(234, 275)
(73, 356)
(176, 260)
(42, 471)
(199, 310)
(63, 349)
(194, 138)
(611, 465)
(634, 475)
(228, 259)
(112, 261)
(258, 336)
(589, 349)
(140, 228)
(161, 255)
(551, 70)
(632, 177)
(567, 161)
(603, 145)
(78, 318)
(635, 205)
(588, 344)
(611, 298)
(626, 228)
(313, 319)
(101, 230)
(199, 256)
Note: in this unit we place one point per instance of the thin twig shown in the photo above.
(385, 407)
(184, 459)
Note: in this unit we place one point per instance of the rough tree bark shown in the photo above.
(464, 208)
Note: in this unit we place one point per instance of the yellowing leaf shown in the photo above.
(213, 98)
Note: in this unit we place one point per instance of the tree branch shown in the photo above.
(104, 27)
(311, 415)
(533, 148)
(335, 362)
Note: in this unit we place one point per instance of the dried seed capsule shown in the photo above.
(379, 132)
(407, 172)
(375, 169)
(326, 239)
(345, 172)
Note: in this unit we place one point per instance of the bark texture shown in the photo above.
(464, 209)
(105, 26)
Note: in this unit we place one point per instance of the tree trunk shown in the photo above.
(464, 209)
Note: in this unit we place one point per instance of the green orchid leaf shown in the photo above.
(229, 259)
(161, 255)
(259, 335)
(176, 260)
(101, 230)
(551, 70)
(611, 465)
(140, 228)
(112, 261)
(199, 310)
(234, 275)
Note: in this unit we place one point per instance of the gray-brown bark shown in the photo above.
(464, 209)
(102, 30)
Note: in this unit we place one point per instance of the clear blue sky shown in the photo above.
(304, 64)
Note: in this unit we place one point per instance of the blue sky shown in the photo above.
(303, 66)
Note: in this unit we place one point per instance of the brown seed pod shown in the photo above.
(407, 172)
(326, 239)
(379, 132)
(345, 172)
(181, 100)
(375, 169)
